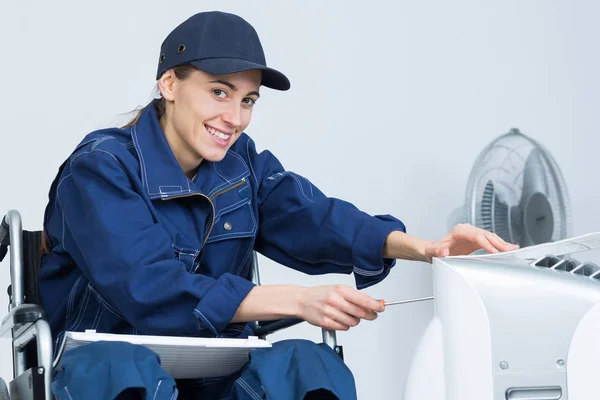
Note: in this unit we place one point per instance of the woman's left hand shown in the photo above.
(464, 239)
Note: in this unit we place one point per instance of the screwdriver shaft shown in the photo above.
(391, 303)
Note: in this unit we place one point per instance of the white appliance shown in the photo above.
(520, 325)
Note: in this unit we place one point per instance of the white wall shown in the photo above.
(391, 102)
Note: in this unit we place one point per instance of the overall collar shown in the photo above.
(162, 175)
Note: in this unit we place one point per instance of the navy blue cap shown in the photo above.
(218, 43)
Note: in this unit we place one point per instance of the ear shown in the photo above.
(166, 85)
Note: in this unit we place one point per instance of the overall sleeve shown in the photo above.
(304, 229)
(128, 257)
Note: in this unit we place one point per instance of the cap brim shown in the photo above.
(271, 78)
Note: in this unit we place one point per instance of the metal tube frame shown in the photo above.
(40, 330)
(15, 230)
(13, 219)
(255, 273)
(329, 338)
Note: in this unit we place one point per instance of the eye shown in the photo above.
(248, 100)
(220, 93)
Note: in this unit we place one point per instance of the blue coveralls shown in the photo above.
(138, 248)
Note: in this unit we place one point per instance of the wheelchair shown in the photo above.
(33, 359)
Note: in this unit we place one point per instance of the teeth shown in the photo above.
(218, 134)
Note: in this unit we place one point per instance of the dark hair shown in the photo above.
(181, 72)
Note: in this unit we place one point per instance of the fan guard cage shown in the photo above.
(502, 162)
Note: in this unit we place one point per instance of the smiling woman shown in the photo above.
(151, 227)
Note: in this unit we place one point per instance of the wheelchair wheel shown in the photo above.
(4, 395)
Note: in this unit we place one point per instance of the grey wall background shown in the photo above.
(391, 103)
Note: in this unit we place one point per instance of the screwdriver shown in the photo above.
(391, 303)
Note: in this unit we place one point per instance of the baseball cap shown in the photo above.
(218, 43)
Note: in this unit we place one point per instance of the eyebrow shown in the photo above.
(233, 87)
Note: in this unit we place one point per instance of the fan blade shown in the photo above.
(534, 175)
(487, 207)
(496, 215)
(537, 217)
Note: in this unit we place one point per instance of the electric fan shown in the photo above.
(517, 191)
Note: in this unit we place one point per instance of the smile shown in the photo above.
(218, 134)
(221, 138)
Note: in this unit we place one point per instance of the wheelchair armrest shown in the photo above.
(274, 326)
(21, 318)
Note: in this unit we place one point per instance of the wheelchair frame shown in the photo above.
(33, 365)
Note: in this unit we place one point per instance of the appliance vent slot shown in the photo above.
(547, 262)
(587, 269)
(568, 264)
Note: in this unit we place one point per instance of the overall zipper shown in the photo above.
(240, 183)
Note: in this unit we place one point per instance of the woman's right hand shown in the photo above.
(337, 307)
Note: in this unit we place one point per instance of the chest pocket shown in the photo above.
(234, 215)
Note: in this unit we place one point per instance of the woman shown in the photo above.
(150, 227)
